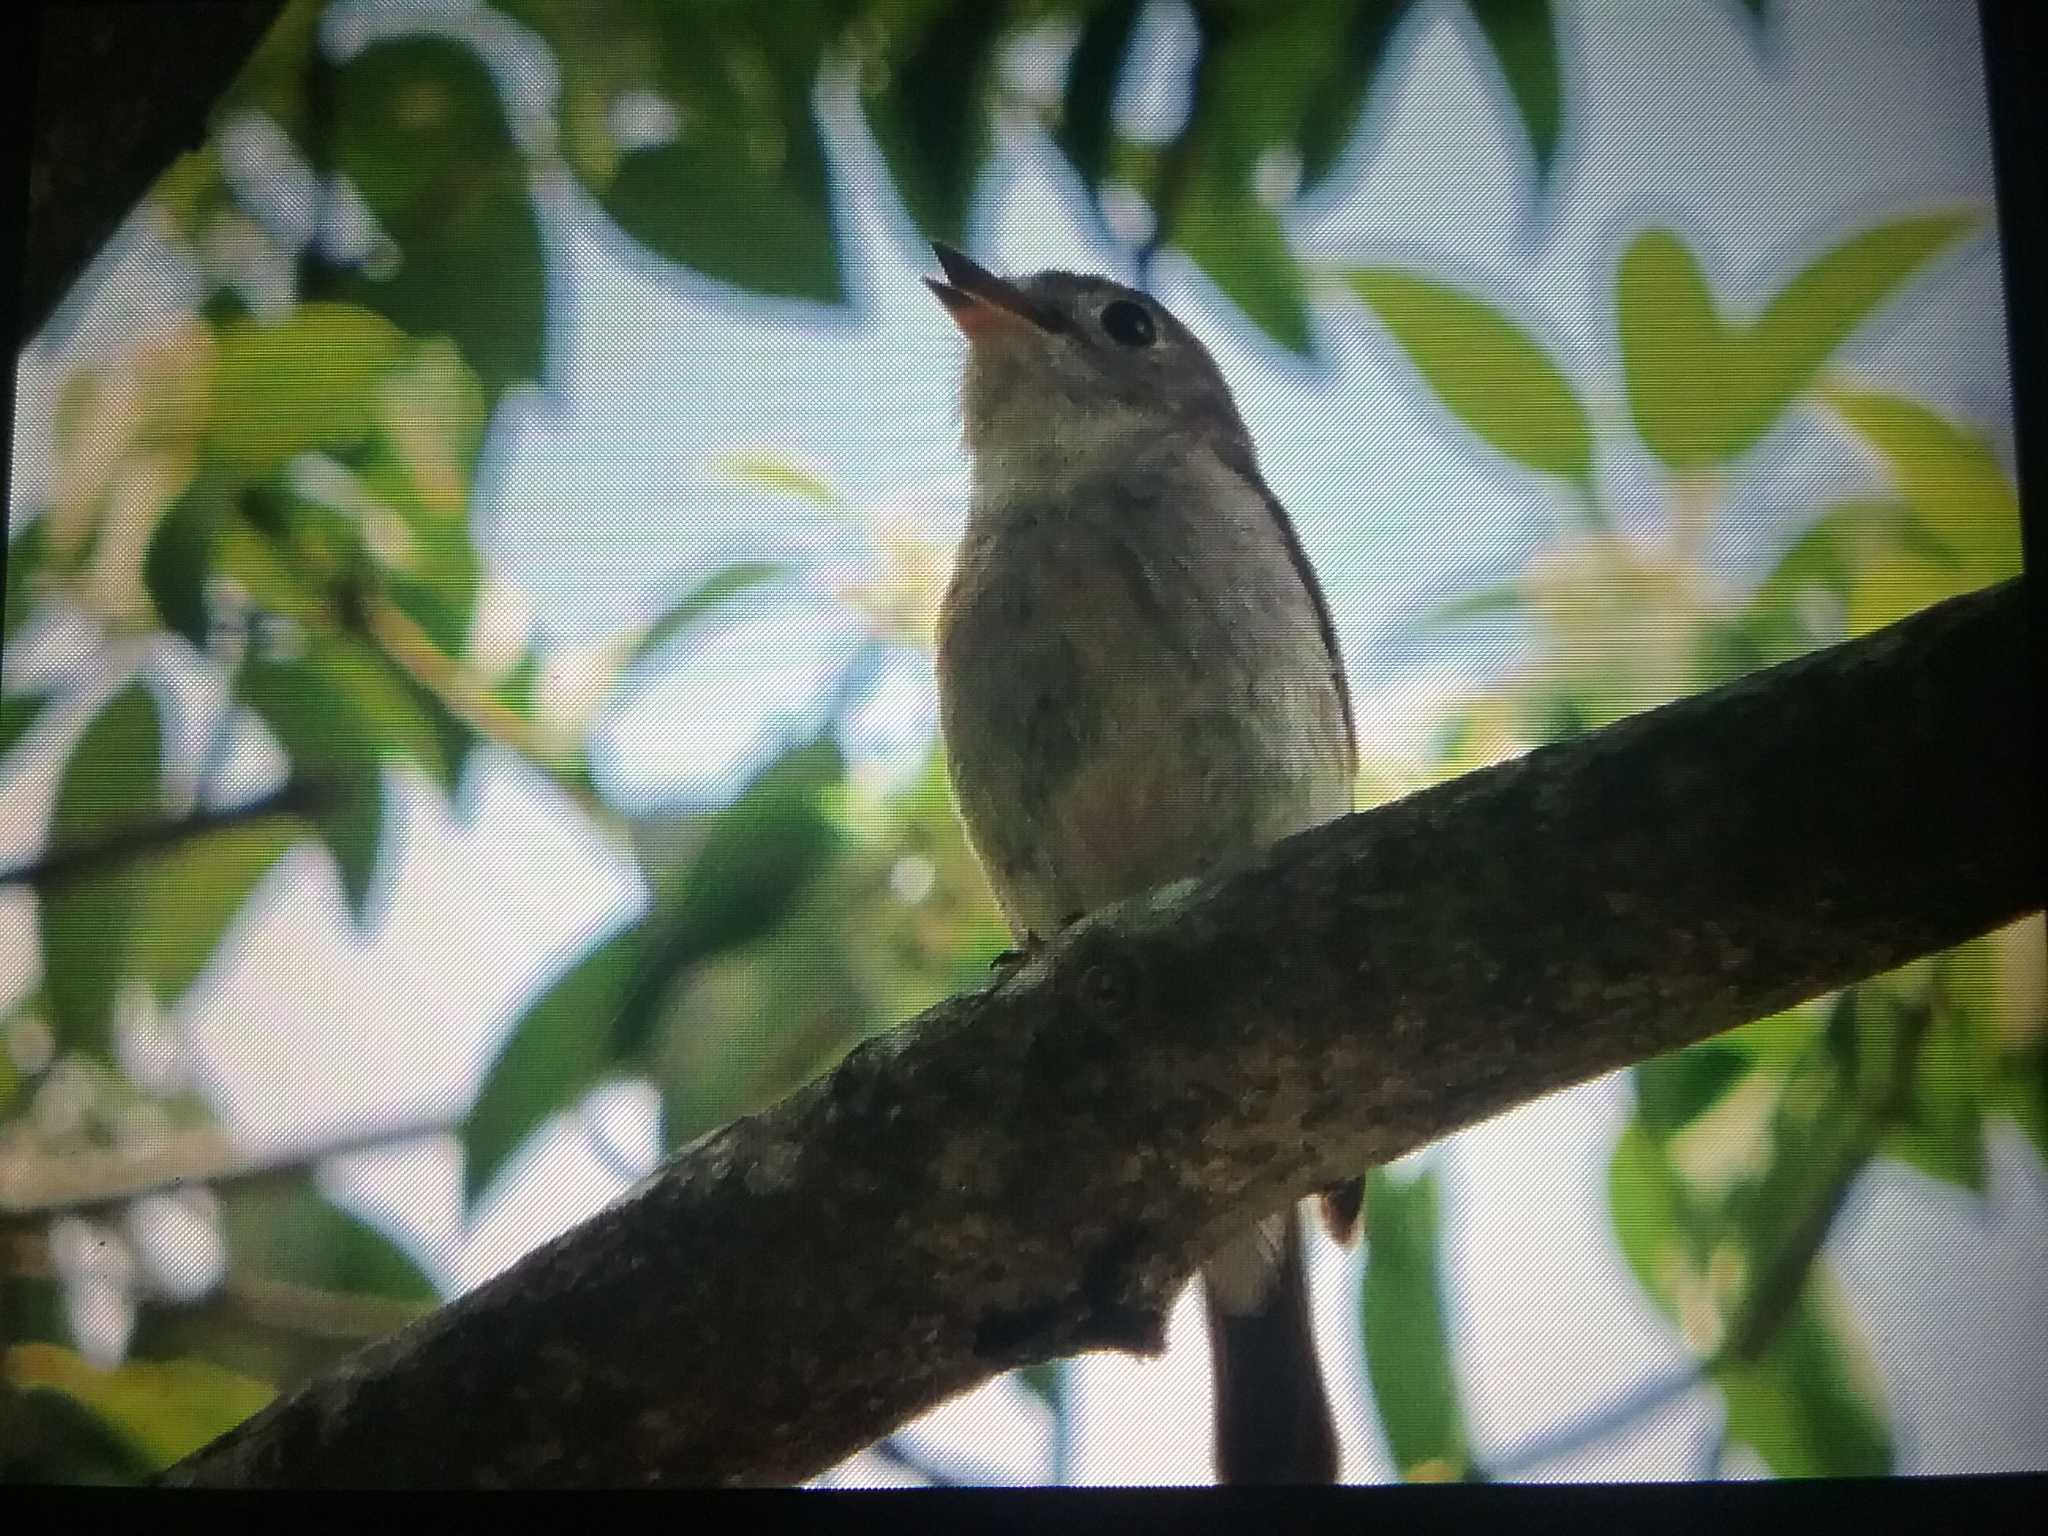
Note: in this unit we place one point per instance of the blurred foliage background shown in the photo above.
(257, 605)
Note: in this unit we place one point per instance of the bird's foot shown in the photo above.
(1010, 959)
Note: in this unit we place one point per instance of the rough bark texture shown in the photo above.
(121, 91)
(1034, 1170)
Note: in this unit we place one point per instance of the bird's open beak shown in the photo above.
(980, 303)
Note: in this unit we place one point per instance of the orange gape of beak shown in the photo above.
(980, 303)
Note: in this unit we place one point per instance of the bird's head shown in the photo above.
(1065, 368)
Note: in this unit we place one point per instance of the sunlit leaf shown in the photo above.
(1523, 37)
(700, 601)
(1951, 478)
(1941, 1129)
(112, 779)
(163, 1410)
(305, 382)
(1486, 370)
(1703, 391)
(1407, 1347)
(774, 472)
(557, 1051)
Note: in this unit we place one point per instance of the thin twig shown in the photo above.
(40, 1187)
(295, 797)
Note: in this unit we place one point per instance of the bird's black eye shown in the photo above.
(1128, 324)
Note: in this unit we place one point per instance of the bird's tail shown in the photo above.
(1273, 1422)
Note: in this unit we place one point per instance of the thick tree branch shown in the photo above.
(1034, 1170)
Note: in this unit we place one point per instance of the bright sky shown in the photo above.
(599, 501)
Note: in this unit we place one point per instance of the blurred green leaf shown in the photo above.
(1808, 1406)
(1407, 1349)
(559, 1049)
(161, 1410)
(48, 1436)
(19, 713)
(1486, 370)
(708, 595)
(758, 857)
(421, 133)
(929, 118)
(339, 713)
(1703, 392)
(1241, 247)
(304, 382)
(24, 564)
(2021, 1091)
(774, 472)
(1045, 1381)
(113, 778)
(1951, 479)
(287, 1229)
(1941, 1130)
(1673, 1090)
(1523, 37)
(1086, 128)
(1333, 112)
(176, 564)
(195, 892)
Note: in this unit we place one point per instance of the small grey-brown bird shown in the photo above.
(1138, 676)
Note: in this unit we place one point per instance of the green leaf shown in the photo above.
(195, 892)
(112, 779)
(1809, 1405)
(2021, 1093)
(1950, 477)
(758, 857)
(559, 1049)
(1334, 110)
(1085, 132)
(774, 472)
(306, 382)
(19, 713)
(286, 1229)
(1702, 392)
(162, 1411)
(421, 133)
(1523, 37)
(929, 117)
(25, 552)
(1486, 370)
(53, 1438)
(176, 564)
(1407, 1350)
(708, 595)
(1240, 246)
(1941, 1131)
(339, 713)
(1674, 1090)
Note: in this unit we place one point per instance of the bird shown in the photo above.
(1138, 677)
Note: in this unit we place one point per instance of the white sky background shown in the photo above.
(597, 501)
